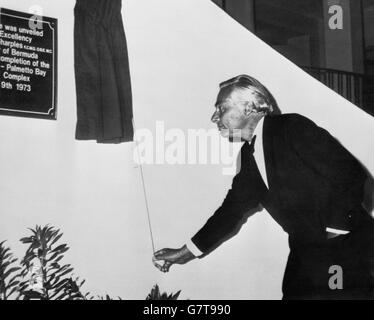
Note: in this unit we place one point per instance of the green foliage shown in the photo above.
(157, 295)
(73, 290)
(108, 298)
(43, 275)
(9, 278)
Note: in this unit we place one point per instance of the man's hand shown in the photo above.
(172, 256)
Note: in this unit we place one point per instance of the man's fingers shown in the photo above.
(155, 259)
(162, 251)
(165, 255)
(163, 268)
(157, 265)
(166, 266)
(159, 254)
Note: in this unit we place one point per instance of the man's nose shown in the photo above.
(215, 117)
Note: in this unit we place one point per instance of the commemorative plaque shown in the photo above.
(28, 65)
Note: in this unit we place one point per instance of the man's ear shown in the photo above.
(249, 108)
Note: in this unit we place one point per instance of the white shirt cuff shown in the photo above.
(192, 247)
(336, 231)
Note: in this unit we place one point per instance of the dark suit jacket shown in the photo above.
(314, 183)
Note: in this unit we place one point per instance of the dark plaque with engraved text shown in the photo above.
(28, 65)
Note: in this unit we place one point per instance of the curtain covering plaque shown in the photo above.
(104, 98)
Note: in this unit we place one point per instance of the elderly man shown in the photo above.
(309, 183)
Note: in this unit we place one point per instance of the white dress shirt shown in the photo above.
(259, 151)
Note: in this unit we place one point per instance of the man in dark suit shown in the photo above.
(309, 183)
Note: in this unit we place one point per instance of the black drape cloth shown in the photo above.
(104, 99)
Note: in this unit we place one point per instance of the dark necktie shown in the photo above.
(252, 145)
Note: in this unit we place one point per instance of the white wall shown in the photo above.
(179, 52)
